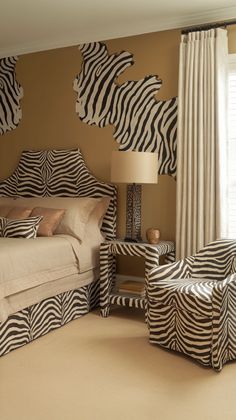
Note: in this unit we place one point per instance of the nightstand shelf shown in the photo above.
(108, 251)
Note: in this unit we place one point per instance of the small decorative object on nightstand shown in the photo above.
(110, 294)
(153, 235)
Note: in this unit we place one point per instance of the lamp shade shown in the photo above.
(134, 167)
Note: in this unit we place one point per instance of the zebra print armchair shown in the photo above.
(192, 304)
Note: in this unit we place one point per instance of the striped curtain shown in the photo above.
(201, 138)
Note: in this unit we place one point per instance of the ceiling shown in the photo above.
(29, 25)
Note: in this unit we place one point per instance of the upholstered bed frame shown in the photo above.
(59, 173)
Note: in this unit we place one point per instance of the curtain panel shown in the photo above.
(201, 138)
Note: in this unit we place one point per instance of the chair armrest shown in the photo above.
(220, 289)
(222, 284)
(223, 320)
(182, 268)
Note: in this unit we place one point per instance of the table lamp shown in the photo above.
(134, 169)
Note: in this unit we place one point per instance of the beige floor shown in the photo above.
(96, 368)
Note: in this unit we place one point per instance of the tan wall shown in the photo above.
(232, 39)
(49, 119)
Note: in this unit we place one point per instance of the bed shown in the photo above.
(58, 298)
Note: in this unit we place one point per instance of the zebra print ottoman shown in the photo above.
(192, 305)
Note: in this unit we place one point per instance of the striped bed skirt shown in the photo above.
(37, 320)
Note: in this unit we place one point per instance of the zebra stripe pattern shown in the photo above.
(108, 250)
(10, 95)
(60, 173)
(129, 301)
(37, 320)
(20, 228)
(141, 122)
(191, 305)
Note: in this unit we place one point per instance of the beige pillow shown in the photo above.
(19, 213)
(76, 215)
(93, 226)
(50, 221)
(100, 210)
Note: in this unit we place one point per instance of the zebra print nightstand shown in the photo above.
(108, 251)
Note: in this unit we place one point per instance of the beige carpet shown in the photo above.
(97, 368)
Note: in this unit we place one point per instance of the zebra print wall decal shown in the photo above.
(141, 122)
(10, 95)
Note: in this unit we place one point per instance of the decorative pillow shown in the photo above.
(16, 213)
(23, 228)
(51, 219)
(76, 216)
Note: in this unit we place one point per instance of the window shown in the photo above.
(231, 150)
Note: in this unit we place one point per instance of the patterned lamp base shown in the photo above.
(133, 213)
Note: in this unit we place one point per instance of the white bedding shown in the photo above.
(27, 264)
(14, 303)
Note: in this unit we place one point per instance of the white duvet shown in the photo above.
(27, 263)
(34, 269)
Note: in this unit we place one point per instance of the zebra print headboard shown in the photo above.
(59, 173)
